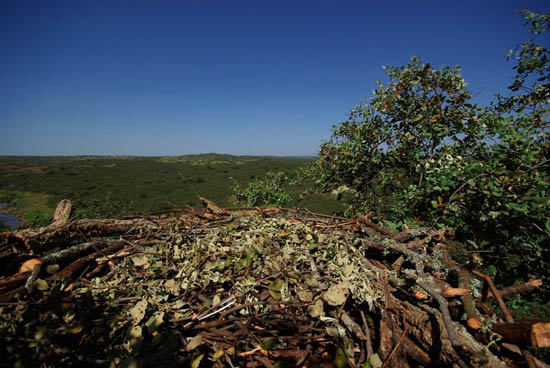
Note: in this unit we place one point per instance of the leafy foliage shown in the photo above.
(96, 208)
(532, 67)
(266, 191)
(420, 149)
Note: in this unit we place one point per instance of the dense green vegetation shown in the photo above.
(264, 191)
(420, 151)
(117, 186)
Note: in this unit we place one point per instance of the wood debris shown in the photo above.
(257, 286)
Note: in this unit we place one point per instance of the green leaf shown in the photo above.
(154, 322)
(269, 344)
(340, 358)
(247, 261)
(216, 300)
(275, 288)
(197, 361)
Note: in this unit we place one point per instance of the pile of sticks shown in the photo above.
(426, 315)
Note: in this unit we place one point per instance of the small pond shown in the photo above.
(8, 219)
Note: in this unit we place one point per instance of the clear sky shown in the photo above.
(253, 77)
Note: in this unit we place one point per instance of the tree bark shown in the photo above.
(37, 241)
(536, 334)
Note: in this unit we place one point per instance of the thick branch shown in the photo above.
(525, 333)
(50, 236)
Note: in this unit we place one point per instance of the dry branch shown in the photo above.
(51, 236)
(525, 333)
(524, 288)
(62, 213)
(526, 353)
(226, 316)
(452, 292)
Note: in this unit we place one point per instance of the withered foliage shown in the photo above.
(241, 287)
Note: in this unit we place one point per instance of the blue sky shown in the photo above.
(242, 77)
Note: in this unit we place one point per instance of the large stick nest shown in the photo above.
(247, 287)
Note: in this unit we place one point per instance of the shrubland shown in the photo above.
(103, 186)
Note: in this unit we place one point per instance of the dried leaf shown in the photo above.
(316, 310)
(138, 311)
(216, 300)
(130, 362)
(305, 295)
(348, 270)
(135, 339)
(140, 261)
(194, 342)
(28, 265)
(338, 332)
(51, 269)
(75, 330)
(41, 284)
(172, 286)
(375, 361)
(336, 294)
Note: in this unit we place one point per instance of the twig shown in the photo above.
(401, 338)
(463, 185)
(352, 326)
(497, 295)
(507, 315)
(518, 289)
(364, 220)
(367, 334)
(231, 300)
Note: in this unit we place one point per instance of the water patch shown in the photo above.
(8, 219)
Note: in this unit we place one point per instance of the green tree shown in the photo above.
(265, 191)
(395, 142)
(420, 149)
